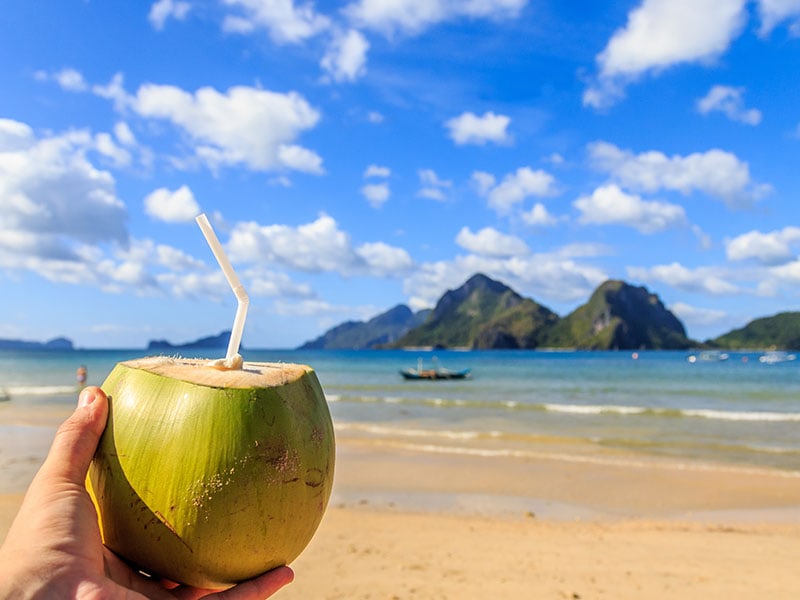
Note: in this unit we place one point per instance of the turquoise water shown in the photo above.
(739, 411)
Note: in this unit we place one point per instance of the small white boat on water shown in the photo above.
(775, 357)
(708, 356)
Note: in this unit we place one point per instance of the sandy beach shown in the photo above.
(567, 521)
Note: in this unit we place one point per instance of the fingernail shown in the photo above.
(86, 397)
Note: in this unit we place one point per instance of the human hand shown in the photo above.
(54, 550)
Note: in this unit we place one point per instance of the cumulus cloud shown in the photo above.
(787, 273)
(432, 188)
(114, 90)
(415, 16)
(774, 12)
(243, 126)
(178, 206)
(539, 216)
(660, 34)
(546, 277)
(694, 316)
(60, 218)
(52, 198)
(124, 134)
(273, 284)
(469, 128)
(772, 248)
(285, 22)
(609, 205)
(376, 193)
(514, 188)
(707, 280)
(165, 9)
(319, 246)
(491, 242)
(68, 79)
(346, 57)
(717, 173)
(377, 171)
(728, 100)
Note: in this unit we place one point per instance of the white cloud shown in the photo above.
(770, 248)
(177, 206)
(162, 10)
(414, 16)
(490, 242)
(609, 205)
(660, 34)
(428, 177)
(285, 22)
(693, 316)
(787, 273)
(515, 187)
(469, 128)
(375, 117)
(76, 213)
(432, 188)
(728, 100)
(243, 126)
(108, 147)
(71, 80)
(545, 277)
(377, 171)
(276, 285)
(124, 134)
(346, 57)
(539, 216)
(315, 247)
(53, 200)
(706, 280)
(67, 79)
(717, 173)
(483, 182)
(114, 91)
(383, 260)
(376, 193)
(773, 12)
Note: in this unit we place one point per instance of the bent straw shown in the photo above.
(233, 280)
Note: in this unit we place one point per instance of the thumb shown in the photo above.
(77, 438)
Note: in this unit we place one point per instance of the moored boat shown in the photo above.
(436, 372)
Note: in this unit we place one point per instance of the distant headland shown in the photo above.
(60, 343)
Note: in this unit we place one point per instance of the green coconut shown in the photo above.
(209, 477)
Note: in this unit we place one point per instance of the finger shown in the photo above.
(77, 437)
(128, 578)
(258, 588)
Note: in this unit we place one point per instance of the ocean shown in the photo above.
(741, 412)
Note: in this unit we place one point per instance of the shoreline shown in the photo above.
(553, 479)
(577, 482)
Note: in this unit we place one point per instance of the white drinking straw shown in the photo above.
(233, 280)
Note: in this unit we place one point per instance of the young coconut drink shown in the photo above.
(212, 472)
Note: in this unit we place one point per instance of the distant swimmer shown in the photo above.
(80, 375)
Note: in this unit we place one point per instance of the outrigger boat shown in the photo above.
(436, 372)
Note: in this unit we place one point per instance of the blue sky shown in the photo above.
(357, 155)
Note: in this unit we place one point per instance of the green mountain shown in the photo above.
(619, 316)
(381, 330)
(482, 313)
(487, 314)
(779, 332)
